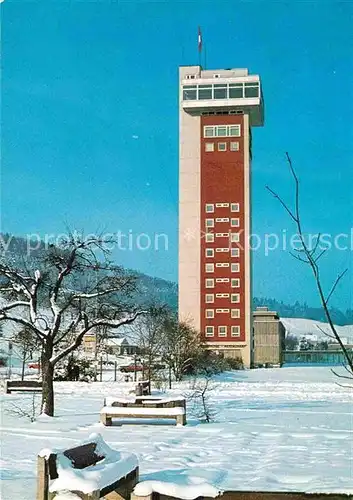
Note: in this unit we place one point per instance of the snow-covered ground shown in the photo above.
(276, 429)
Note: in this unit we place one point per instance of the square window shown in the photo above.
(235, 298)
(209, 298)
(234, 237)
(209, 331)
(222, 331)
(209, 237)
(235, 268)
(209, 252)
(209, 207)
(234, 207)
(221, 131)
(235, 331)
(209, 313)
(235, 252)
(209, 147)
(234, 130)
(235, 222)
(235, 283)
(235, 313)
(208, 131)
(209, 222)
(234, 146)
(209, 268)
(222, 146)
(209, 283)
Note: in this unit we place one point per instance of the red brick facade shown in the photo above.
(222, 181)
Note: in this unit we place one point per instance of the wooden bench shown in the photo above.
(141, 411)
(23, 385)
(145, 401)
(109, 465)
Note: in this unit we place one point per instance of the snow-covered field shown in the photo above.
(276, 429)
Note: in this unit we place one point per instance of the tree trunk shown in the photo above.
(24, 355)
(48, 387)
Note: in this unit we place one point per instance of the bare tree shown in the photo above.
(311, 257)
(27, 343)
(199, 400)
(148, 335)
(181, 345)
(72, 290)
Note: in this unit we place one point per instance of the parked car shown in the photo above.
(34, 364)
(131, 368)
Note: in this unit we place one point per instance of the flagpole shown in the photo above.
(199, 45)
(205, 56)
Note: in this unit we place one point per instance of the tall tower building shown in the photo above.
(217, 110)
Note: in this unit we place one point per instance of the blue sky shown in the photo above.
(90, 121)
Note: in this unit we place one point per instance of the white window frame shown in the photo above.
(234, 222)
(235, 298)
(235, 267)
(222, 280)
(222, 295)
(235, 283)
(222, 331)
(209, 208)
(235, 252)
(236, 133)
(222, 264)
(222, 311)
(222, 205)
(222, 219)
(235, 237)
(209, 313)
(222, 146)
(235, 313)
(235, 207)
(209, 267)
(213, 130)
(209, 237)
(209, 283)
(209, 298)
(209, 222)
(209, 128)
(220, 250)
(209, 253)
(222, 235)
(209, 147)
(234, 146)
(209, 331)
(235, 331)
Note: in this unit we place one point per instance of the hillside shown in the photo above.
(152, 289)
(299, 327)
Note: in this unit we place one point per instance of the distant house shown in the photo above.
(120, 346)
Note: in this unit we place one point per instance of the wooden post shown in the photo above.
(101, 369)
(115, 370)
(42, 479)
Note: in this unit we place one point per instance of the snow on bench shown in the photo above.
(90, 470)
(158, 401)
(109, 412)
(145, 490)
